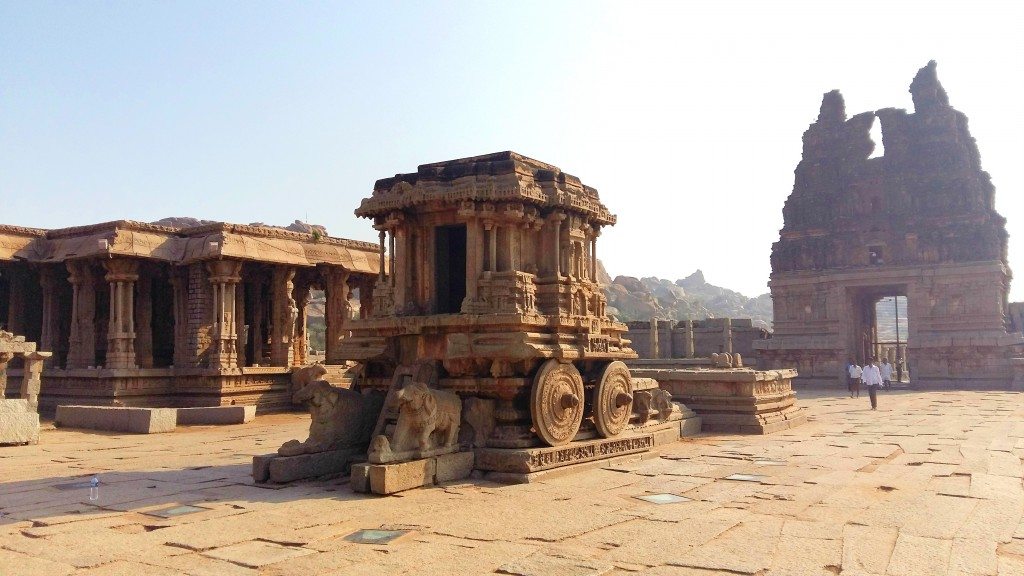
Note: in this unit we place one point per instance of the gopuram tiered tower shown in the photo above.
(918, 222)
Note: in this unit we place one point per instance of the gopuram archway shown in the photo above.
(917, 223)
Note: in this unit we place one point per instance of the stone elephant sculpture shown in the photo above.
(427, 418)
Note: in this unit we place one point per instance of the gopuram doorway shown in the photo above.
(881, 327)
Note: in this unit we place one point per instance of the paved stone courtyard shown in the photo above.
(929, 484)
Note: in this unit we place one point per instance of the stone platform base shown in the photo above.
(733, 400)
(764, 423)
(117, 419)
(522, 465)
(18, 424)
(392, 478)
(280, 469)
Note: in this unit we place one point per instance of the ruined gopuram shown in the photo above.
(917, 222)
(140, 314)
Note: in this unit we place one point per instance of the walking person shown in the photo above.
(886, 370)
(872, 377)
(854, 373)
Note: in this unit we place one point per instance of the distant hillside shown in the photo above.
(691, 298)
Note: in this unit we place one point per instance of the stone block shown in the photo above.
(690, 427)
(18, 424)
(261, 467)
(360, 477)
(450, 467)
(216, 415)
(117, 419)
(282, 469)
(666, 436)
(392, 478)
(152, 420)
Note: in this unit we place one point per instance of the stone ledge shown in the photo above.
(216, 415)
(117, 419)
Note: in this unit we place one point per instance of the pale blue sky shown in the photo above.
(686, 116)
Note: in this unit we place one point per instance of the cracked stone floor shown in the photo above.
(929, 484)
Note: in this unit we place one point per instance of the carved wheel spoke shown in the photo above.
(556, 402)
(613, 400)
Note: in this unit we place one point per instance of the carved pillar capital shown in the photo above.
(121, 269)
(224, 271)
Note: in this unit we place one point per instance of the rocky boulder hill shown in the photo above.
(188, 222)
(691, 298)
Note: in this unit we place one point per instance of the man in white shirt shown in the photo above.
(854, 374)
(873, 378)
(886, 369)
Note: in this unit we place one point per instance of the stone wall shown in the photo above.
(695, 338)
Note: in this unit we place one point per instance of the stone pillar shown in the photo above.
(199, 312)
(224, 276)
(31, 378)
(5, 357)
(283, 317)
(727, 335)
(300, 342)
(336, 313)
(688, 338)
(593, 254)
(381, 274)
(399, 272)
(179, 290)
(655, 348)
(366, 287)
(492, 246)
(474, 258)
(391, 254)
(121, 274)
(82, 339)
(241, 329)
(557, 217)
(50, 334)
(144, 322)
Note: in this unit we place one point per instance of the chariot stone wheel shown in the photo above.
(556, 402)
(613, 399)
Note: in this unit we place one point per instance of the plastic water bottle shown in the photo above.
(94, 488)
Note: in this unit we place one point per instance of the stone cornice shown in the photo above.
(273, 232)
(22, 231)
(243, 229)
(499, 177)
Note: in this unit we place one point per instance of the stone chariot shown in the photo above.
(491, 293)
